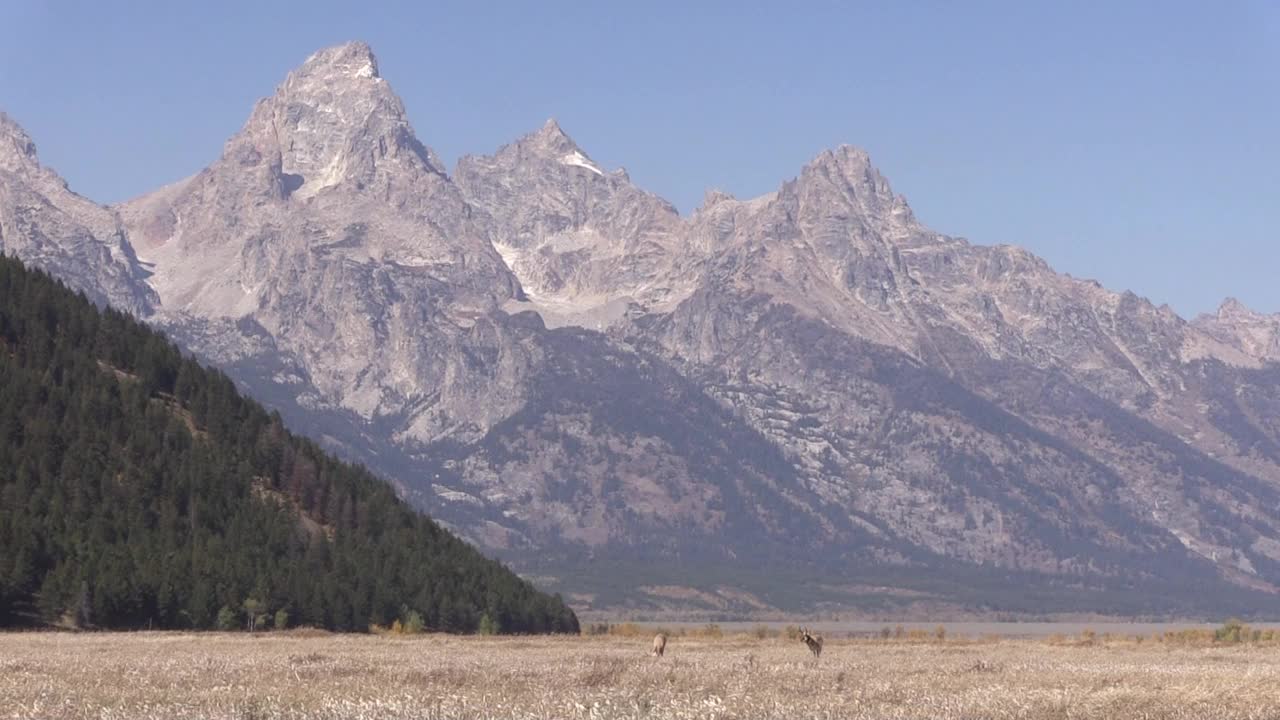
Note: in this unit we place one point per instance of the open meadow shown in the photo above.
(315, 675)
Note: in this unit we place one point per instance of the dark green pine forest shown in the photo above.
(139, 489)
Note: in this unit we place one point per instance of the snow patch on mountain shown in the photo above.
(577, 159)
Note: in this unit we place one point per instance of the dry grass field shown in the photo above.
(312, 675)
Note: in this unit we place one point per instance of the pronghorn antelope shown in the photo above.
(659, 645)
(813, 641)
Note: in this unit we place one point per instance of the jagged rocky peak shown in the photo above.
(328, 232)
(548, 144)
(334, 121)
(843, 155)
(328, 160)
(713, 197)
(552, 138)
(45, 224)
(845, 176)
(1233, 309)
(845, 165)
(353, 59)
(586, 244)
(545, 184)
(1250, 337)
(17, 151)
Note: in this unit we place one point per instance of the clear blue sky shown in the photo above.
(1134, 144)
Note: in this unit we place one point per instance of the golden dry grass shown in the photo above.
(173, 675)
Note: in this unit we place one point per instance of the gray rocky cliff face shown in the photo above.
(328, 263)
(45, 224)
(810, 383)
(586, 243)
(333, 228)
(1240, 336)
(1080, 368)
(1060, 422)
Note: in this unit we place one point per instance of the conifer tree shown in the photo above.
(139, 489)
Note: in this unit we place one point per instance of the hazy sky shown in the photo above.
(1136, 144)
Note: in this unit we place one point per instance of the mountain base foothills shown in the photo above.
(1227, 673)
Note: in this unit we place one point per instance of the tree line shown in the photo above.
(140, 489)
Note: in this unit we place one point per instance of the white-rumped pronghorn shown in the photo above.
(813, 641)
(659, 645)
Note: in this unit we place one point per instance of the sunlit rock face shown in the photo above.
(46, 225)
(328, 225)
(560, 366)
(1242, 336)
(588, 246)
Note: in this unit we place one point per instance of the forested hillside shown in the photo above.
(138, 489)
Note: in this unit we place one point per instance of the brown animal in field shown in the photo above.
(813, 641)
(659, 645)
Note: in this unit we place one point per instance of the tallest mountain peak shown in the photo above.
(333, 120)
(355, 59)
(844, 158)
